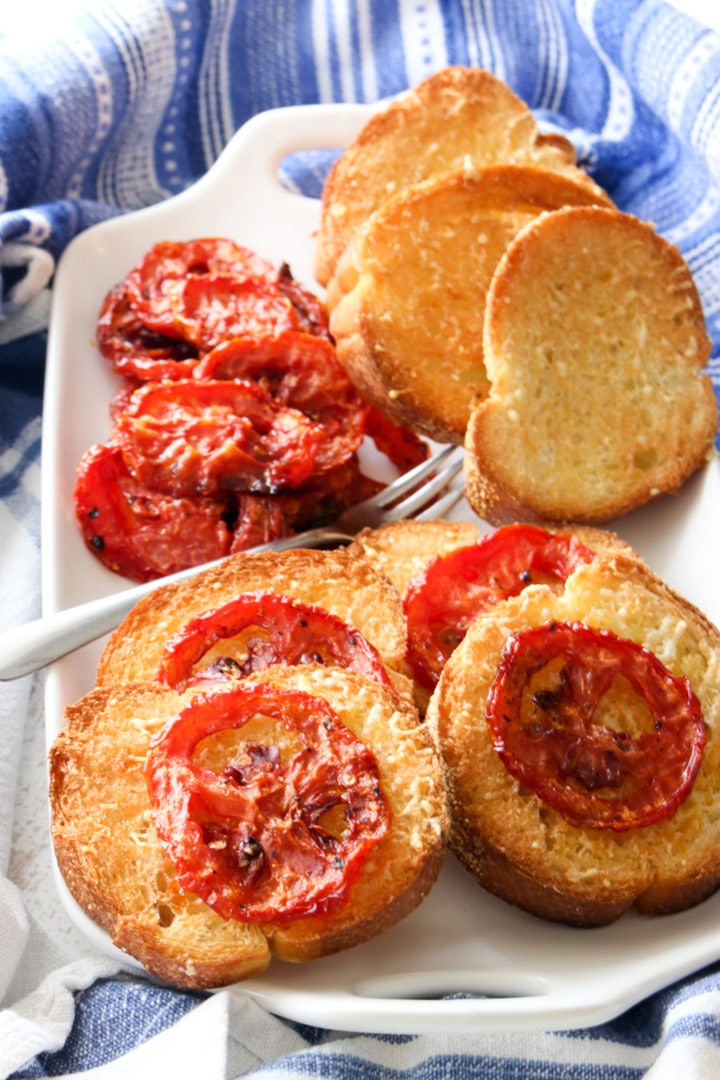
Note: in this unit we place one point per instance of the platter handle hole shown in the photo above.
(304, 171)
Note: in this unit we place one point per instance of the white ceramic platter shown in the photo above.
(464, 960)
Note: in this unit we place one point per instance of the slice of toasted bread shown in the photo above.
(115, 867)
(408, 299)
(401, 549)
(455, 115)
(594, 343)
(517, 845)
(336, 580)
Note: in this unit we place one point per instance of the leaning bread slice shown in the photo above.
(455, 115)
(109, 852)
(408, 299)
(594, 345)
(519, 845)
(336, 581)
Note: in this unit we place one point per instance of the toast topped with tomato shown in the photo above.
(236, 618)
(579, 736)
(449, 572)
(292, 814)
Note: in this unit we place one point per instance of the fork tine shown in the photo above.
(441, 506)
(417, 500)
(412, 478)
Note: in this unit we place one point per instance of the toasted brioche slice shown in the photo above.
(517, 845)
(455, 115)
(408, 298)
(336, 580)
(401, 549)
(110, 856)
(594, 343)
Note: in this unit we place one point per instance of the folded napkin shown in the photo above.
(106, 107)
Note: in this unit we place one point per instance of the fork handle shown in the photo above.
(27, 648)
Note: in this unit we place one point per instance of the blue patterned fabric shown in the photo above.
(106, 107)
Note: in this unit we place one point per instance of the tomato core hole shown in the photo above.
(334, 822)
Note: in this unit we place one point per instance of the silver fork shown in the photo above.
(416, 494)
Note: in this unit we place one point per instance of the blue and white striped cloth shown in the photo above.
(106, 107)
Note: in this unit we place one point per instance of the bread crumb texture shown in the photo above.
(115, 867)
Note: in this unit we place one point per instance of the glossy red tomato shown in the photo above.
(442, 601)
(263, 629)
(279, 456)
(259, 519)
(212, 309)
(401, 446)
(274, 834)
(321, 499)
(153, 284)
(542, 712)
(301, 372)
(134, 349)
(140, 533)
(198, 438)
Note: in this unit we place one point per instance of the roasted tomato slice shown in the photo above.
(153, 284)
(442, 601)
(134, 349)
(545, 710)
(259, 519)
(262, 629)
(187, 438)
(212, 309)
(140, 533)
(301, 372)
(278, 827)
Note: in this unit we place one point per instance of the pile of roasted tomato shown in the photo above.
(234, 423)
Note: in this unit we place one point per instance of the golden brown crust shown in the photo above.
(408, 298)
(519, 847)
(458, 114)
(594, 343)
(338, 581)
(401, 549)
(109, 854)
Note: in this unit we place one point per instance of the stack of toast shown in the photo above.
(484, 290)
